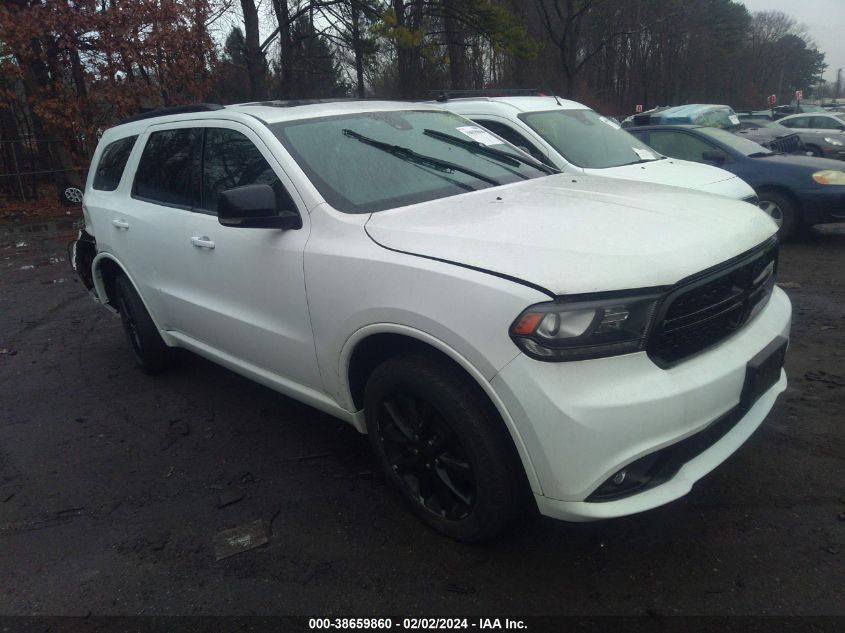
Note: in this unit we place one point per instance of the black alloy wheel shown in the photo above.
(427, 456)
(443, 445)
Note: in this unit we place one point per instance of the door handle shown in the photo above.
(202, 242)
(120, 224)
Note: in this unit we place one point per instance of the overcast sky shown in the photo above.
(825, 22)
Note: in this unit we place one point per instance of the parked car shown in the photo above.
(795, 190)
(507, 335)
(778, 112)
(578, 140)
(772, 136)
(825, 133)
(713, 115)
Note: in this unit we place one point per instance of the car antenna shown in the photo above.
(557, 101)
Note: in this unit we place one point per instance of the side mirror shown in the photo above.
(714, 156)
(254, 207)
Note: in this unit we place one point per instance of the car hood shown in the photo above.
(680, 173)
(577, 234)
(794, 162)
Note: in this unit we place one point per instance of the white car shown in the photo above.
(509, 337)
(827, 127)
(575, 139)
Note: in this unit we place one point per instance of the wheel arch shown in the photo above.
(374, 344)
(106, 268)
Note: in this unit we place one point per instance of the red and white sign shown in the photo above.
(799, 94)
(772, 100)
(639, 108)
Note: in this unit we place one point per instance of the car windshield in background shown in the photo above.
(374, 161)
(737, 143)
(587, 139)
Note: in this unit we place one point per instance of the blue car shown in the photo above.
(797, 191)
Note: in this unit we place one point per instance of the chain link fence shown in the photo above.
(27, 170)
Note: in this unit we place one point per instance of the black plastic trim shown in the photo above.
(183, 109)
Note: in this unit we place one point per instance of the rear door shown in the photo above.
(151, 224)
(245, 290)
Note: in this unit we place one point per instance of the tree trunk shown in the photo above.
(286, 46)
(252, 50)
(357, 47)
(454, 46)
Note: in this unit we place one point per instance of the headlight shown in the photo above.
(833, 141)
(829, 177)
(589, 326)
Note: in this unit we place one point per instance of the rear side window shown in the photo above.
(166, 171)
(112, 163)
(231, 160)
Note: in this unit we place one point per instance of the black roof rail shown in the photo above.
(182, 109)
(293, 103)
(445, 95)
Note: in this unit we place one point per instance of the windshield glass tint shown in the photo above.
(355, 177)
(741, 145)
(587, 139)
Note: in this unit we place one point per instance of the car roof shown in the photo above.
(513, 104)
(267, 112)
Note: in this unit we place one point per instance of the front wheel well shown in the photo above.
(377, 348)
(799, 210)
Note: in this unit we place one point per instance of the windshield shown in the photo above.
(587, 139)
(366, 162)
(737, 143)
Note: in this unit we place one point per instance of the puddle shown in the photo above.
(20, 237)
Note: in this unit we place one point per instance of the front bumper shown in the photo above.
(581, 422)
(823, 204)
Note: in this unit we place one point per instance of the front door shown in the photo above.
(245, 294)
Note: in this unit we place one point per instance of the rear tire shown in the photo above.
(782, 210)
(151, 353)
(443, 446)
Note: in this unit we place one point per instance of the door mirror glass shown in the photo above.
(714, 156)
(254, 206)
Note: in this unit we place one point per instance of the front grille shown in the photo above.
(709, 308)
(790, 144)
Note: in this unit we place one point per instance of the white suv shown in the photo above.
(503, 333)
(575, 139)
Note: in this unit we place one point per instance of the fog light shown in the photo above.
(618, 478)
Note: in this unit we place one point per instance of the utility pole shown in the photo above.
(838, 88)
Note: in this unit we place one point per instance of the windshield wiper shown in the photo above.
(479, 148)
(411, 156)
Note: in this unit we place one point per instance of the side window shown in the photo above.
(824, 123)
(112, 163)
(679, 145)
(514, 138)
(166, 169)
(801, 122)
(231, 160)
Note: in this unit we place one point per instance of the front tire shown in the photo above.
(443, 446)
(782, 210)
(151, 353)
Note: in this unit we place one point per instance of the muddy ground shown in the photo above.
(110, 483)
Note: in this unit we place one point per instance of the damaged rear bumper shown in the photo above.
(81, 254)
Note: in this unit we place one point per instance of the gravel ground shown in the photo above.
(110, 483)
